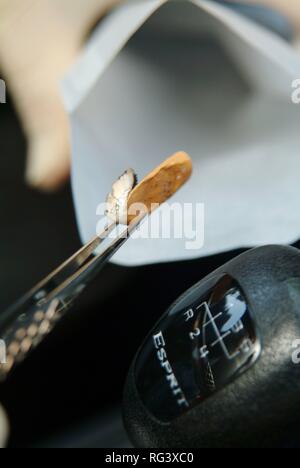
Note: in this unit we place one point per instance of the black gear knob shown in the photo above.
(217, 369)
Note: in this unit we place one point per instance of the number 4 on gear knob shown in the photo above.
(217, 369)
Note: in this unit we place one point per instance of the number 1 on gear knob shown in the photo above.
(216, 370)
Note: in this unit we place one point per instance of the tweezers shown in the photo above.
(24, 326)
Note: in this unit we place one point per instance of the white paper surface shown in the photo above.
(133, 102)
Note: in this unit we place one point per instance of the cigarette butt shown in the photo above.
(160, 185)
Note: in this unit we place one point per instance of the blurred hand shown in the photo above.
(3, 428)
(290, 8)
(39, 40)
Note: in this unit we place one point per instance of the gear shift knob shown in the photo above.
(217, 369)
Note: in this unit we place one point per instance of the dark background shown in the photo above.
(69, 391)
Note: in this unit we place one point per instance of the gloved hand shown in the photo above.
(39, 40)
(3, 428)
(290, 8)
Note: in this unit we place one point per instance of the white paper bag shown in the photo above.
(150, 83)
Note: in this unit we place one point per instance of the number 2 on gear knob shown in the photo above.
(217, 369)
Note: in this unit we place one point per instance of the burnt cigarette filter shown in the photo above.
(129, 199)
(27, 323)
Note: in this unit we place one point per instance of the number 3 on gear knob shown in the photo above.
(217, 369)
